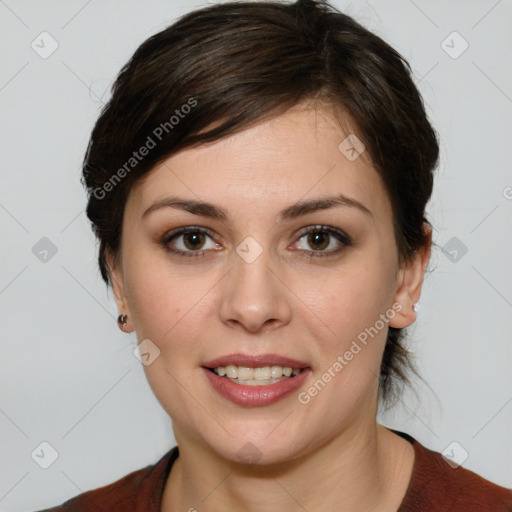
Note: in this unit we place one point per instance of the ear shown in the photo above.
(409, 282)
(117, 280)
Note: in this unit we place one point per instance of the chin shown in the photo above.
(255, 447)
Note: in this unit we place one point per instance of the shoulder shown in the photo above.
(140, 490)
(436, 485)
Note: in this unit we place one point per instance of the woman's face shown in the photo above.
(250, 281)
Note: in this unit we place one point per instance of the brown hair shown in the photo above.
(234, 64)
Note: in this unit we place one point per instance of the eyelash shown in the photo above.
(342, 237)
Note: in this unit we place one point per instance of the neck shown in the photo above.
(364, 468)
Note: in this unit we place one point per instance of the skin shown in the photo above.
(329, 454)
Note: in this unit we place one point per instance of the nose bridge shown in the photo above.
(253, 295)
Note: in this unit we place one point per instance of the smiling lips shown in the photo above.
(255, 380)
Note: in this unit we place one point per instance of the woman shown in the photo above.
(258, 184)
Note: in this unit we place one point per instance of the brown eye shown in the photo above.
(319, 239)
(323, 241)
(193, 240)
(190, 241)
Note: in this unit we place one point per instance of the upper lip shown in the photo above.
(255, 361)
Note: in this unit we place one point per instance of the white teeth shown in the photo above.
(244, 373)
(257, 382)
(262, 375)
(231, 371)
(276, 371)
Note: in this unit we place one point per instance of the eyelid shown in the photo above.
(189, 229)
(344, 240)
(175, 233)
(347, 239)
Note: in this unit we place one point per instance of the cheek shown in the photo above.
(343, 318)
(165, 297)
(348, 302)
(343, 315)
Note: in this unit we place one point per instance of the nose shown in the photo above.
(254, 297)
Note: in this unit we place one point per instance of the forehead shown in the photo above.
(302, 154)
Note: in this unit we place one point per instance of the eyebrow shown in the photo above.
(294, 211)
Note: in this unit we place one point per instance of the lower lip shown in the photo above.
(256, 396)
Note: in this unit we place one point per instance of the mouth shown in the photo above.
(256, 381)
(259, 376)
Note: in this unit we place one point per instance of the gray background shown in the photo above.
(68, 376)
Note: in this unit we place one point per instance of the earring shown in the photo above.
(121, 321)
(415, 307)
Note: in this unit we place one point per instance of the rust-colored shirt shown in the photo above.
(434, 487)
